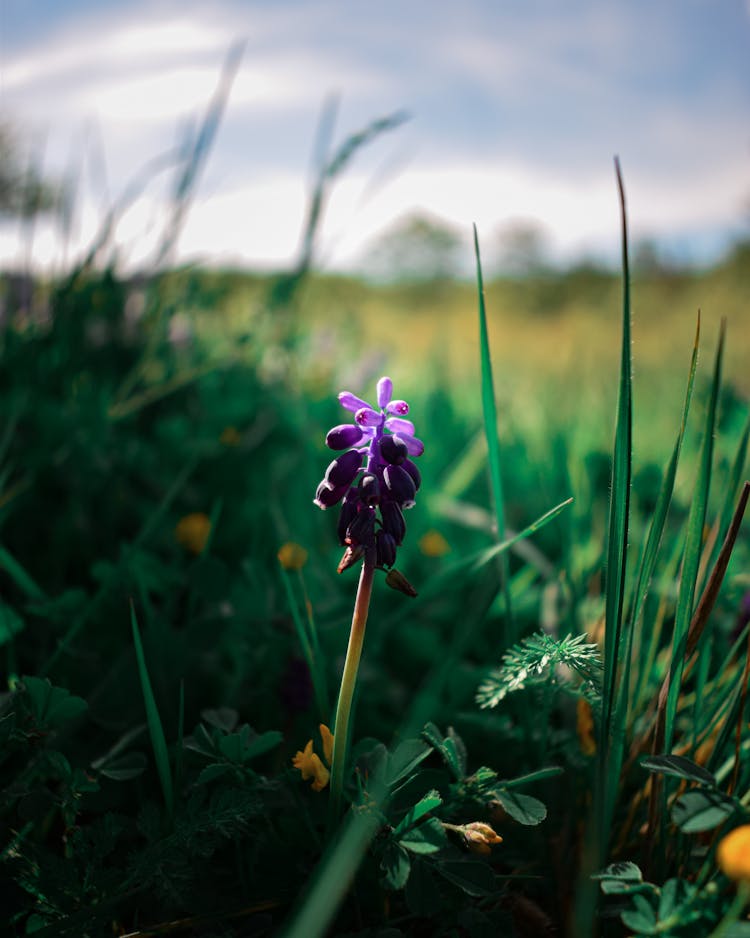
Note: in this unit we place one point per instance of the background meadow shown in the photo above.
(550, 738)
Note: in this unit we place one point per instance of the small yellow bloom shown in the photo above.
(327, 737)
(292, 556)
(585, 727)
(192, 531)
(230, 436)
(480, 837)
(733, 854)
(433, 544)
(309, 763)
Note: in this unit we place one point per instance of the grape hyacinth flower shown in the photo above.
(374, 477)
(375, 480)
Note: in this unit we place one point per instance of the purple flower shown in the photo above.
(375, 476)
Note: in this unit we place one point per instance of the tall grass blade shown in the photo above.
(489, 410)
(610, 749)
(155, 728)
(692, 555)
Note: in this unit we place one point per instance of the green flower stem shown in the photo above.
(348, 683)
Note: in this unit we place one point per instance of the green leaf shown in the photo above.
(52, 706)
(223, 718)
(155, 728)
(679, 767)
(429, 837)
(472, 876)
(624, 871)
(642, 921)
(215, 770)
(396, 866)
(702, 810)
(674, 893)
(261, 744)
(738, 930)
(522, 808)
(426, 804)
(453, 757)
(10, 623)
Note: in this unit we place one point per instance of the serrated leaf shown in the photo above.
(701, 810)
(426, 804)
(429, 837)
(522, 808)
(679, 767)
(396, 866)
(472, 876)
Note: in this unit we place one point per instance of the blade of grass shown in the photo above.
(20, 577)
(610, 749)
(489, 410)
(155, 728)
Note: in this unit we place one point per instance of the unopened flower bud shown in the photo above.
(369, 489)
(362, 528)
(328, 495)
(393, 451)
(343, 436)
(400, 485)
(397, 581)
(344, 468)
(348, 514)
(416, 475)
(393, 521)
(385, 549)
(480, 837)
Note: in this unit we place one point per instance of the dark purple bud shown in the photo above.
(327, 496)
(343, 436)
(385, 548)
(400, 485)
(393, 450)
(369, 489)
(351, 556)
(416, 475)
(398, 581)
(344, 468)
(393, 521)
(348, 514)
(362, 529)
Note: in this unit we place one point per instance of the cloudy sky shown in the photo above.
(516, 107)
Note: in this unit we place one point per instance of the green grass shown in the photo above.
(146, 752)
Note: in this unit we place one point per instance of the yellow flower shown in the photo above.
(480, 837)
(192, 531)
(309, 763)
(733, 854)
(292, 556)
(585, 727)
(230, 436)
(433, 544)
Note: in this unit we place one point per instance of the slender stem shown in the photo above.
(348, 683)
(734, 911)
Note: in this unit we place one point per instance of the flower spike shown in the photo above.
(374, 495)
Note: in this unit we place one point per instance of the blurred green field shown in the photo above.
(130, 406)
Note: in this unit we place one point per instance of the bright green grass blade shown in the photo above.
(610, 748)
(646, 571)
(692, 554)
(155, 728)
(490, 429)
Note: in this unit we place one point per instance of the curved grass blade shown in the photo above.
(155, 728)
(489, 409)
